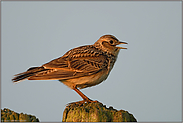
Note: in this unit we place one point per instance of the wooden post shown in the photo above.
(95, 112)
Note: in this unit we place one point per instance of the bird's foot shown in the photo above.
(80, 103)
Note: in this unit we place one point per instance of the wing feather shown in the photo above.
(78, 62)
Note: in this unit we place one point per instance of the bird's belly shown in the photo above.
(86, 81)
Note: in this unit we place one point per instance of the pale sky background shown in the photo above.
(145, 81)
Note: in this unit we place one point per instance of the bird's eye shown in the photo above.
(111, 42)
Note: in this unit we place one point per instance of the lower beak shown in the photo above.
(122, 43)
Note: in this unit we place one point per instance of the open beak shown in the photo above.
(122, 43)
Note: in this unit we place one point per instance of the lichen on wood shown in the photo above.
(8, 115)
(95, 112)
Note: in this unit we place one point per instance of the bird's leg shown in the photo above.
(85, 98)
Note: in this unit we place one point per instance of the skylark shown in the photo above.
(81, 67)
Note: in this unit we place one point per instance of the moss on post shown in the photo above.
(8, 115)
(95, 112)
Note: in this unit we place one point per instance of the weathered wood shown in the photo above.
(8, 115)
(95, 112)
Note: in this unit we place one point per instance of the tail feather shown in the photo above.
(30, 72)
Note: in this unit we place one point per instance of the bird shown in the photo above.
(80, 67)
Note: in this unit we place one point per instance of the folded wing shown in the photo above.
(75, 63)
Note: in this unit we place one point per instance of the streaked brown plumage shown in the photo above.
(81, 67)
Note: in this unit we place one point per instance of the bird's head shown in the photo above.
(109, 43)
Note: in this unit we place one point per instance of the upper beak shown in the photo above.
(122, 43)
